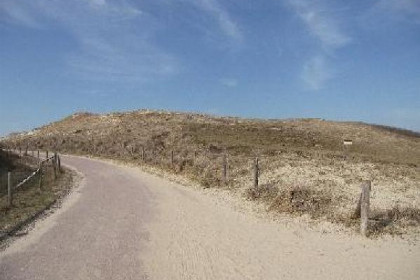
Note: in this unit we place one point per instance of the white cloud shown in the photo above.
(221, 16)
(12, 12)
(321, 23)
(109, 61)
(110, 49)
(316, 73)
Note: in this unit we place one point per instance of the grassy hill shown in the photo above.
(305, 168)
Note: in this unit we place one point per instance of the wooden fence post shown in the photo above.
(38, 153)
(365, 208)
(26, 151)
(54, 163)
(256, 172)
(357, 211)
(40, 176)
(46, 154)
(142, 153)
(172, 159)
(59, 164)
(225, 166)
(9, 189)
(20, 151)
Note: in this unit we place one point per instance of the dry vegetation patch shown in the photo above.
(29, 200)
(305, 169)
(302, 200)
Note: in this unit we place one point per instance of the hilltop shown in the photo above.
(305, 168)
(116, 132)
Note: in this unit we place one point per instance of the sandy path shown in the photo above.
(195, 236)
(125, 224)
(99, 232)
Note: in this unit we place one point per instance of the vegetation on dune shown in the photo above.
(305, 168)
(28, 200)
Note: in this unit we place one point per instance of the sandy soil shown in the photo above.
(127, 224)
(210, 234)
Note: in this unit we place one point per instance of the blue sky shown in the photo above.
(338, 60)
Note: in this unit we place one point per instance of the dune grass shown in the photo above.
(304, 164)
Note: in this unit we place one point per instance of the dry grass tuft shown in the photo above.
(293, 200)
(394, 221)
(264, 192)
(302, 200)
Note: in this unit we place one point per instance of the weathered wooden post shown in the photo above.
(38, 154)
(54, 162)
(357, 211)
(26, 151)
(20, 151)
(195, 156)
(9, 189)
(225, 166)
(40, 176)
(142, 153)
(365, 208)
(172, 159)
(346, 146)
(46, 154)
(256, 172)
(59, 164)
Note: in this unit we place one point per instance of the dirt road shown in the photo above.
(125, 224)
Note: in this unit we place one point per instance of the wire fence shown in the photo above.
(18, 177)
(211, 168)
(34, 169)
